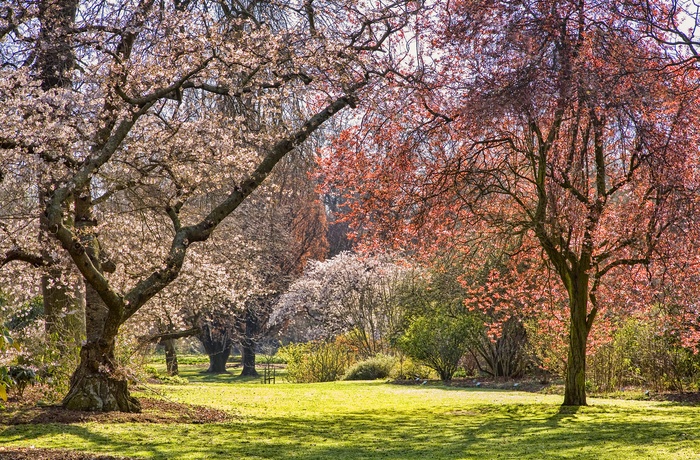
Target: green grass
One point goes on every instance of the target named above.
(367, 420)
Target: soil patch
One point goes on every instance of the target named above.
(691, 399)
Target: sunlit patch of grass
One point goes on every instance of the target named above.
(362, 420)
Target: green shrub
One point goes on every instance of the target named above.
(408, 369)
(376, 367)
(21, 377)
(54, 363)
(6, 343)
(639, 355)
(439, 341)
(315, 361)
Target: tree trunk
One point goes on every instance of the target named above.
(96, 385)
(170, 357)
(248, 358)
(575, 384)
(215, 335)
(217, 361)
(248, 342)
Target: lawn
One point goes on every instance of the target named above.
(362, 420)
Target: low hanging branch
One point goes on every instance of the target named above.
(169, 336)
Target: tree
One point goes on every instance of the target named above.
(534, 130)
(61, 288)
(350, 293)
(439, 341)
(139, 117)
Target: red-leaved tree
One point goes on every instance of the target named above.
(558, 126)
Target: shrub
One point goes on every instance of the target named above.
(640, 355)
(439, 341)
(315, 361)
(408, 369)
(54, 363)
(377, 367)
(153, 373)
(6, 343)
(506, 355)
(21, 377)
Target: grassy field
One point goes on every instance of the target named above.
(367, 420)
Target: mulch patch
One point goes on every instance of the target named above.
(152, 411)
(690, 399)
(29, 410)
(17, 453)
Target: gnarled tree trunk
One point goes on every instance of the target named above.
(215, 336)
(95, 386)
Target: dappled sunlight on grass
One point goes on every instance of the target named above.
(356, 420)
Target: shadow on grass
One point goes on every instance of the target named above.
(485, 433)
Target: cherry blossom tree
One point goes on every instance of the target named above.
(107, 99)
(350, 293)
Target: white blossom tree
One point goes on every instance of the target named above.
(350, 293)
(104, 100)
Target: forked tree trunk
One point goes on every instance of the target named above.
(94, 384)
(218, 360)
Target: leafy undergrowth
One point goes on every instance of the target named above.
(363, 420)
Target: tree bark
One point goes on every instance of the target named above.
(55, 61)
(95, 386)
(218, 360)
(215, 336)
(248, 358)
(575, 384)
(170, 356)
(248, 342)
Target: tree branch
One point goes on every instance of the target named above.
(169, 335)
(201, 231)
